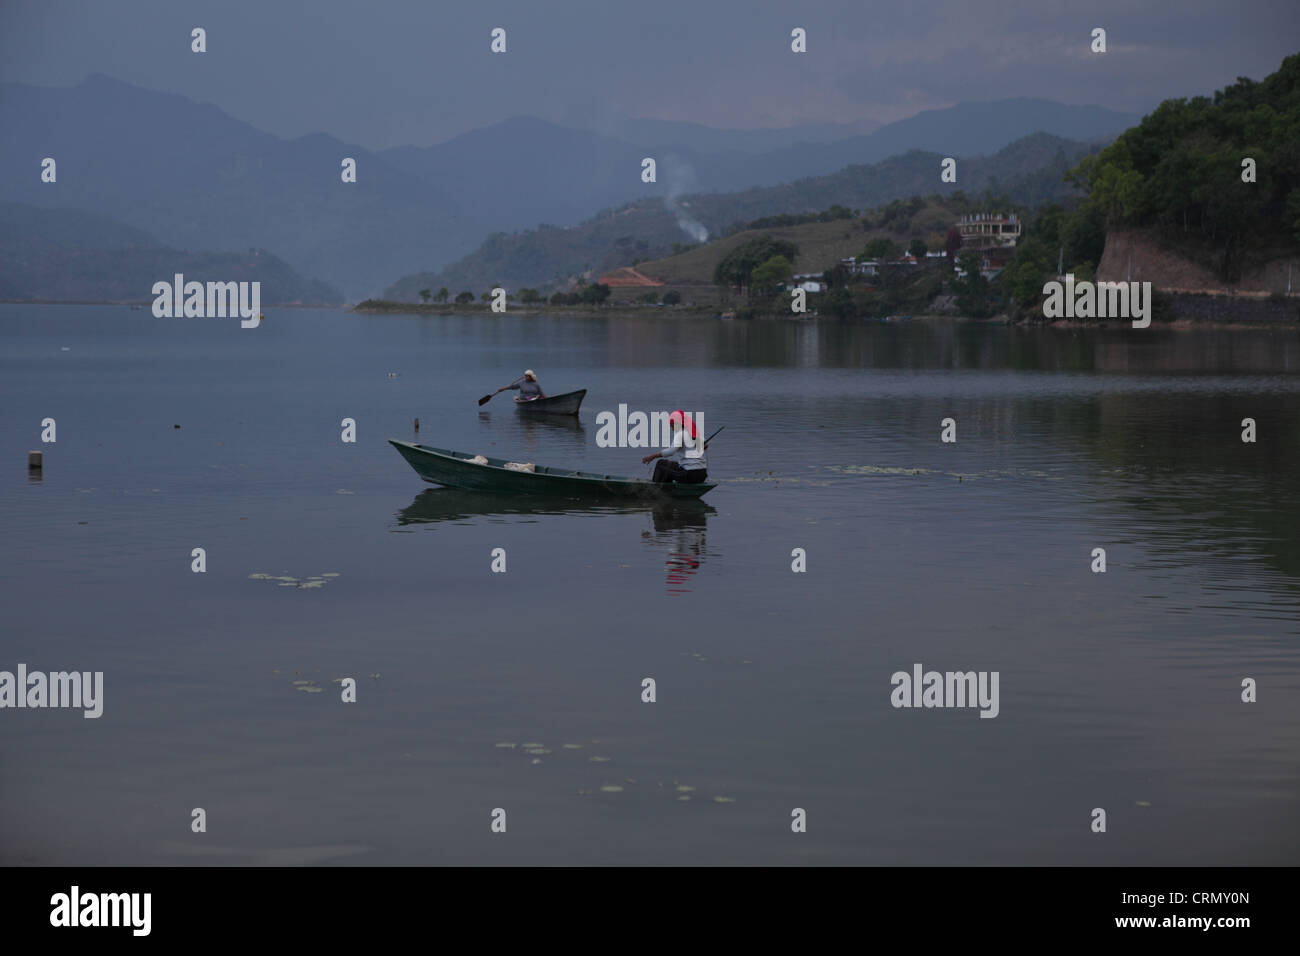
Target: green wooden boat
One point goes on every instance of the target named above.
(441, 466)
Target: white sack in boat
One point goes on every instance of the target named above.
(517, 466)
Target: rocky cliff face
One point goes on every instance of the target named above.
(1165, 269)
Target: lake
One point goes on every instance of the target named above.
(1119, 690)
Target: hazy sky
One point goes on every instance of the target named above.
(389, 72)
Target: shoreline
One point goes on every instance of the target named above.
(711, 314)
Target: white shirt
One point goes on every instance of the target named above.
(677, 452)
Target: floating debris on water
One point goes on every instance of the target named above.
(573, 746)
(684, 796)
(599, 759)
(344, 491)
(374, 677)
(313, 690)
(287, 581)
(612, 788)
(330, 574)
(528, 746)
(302, 683)
(537, 750)
(723, 800)
(537, 760)
(1144, 803)
(506, 745)
(878, 470)
(685, 788)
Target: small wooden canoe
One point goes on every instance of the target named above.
(441, 466)
(566, 404)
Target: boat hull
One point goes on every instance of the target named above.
(441, 466)
(566, 404)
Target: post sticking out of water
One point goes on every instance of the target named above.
(35, 463)
(417, 426)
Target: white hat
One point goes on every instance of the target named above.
(529, 373)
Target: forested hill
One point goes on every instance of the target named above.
(1182, 172)
(71, 255)
(1029, 171)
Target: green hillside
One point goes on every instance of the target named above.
(1180, 172)
(1029, 171)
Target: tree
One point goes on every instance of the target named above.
(737, 268)
(424, 294)
(770, 274)
(672, 297)
(840, 304)
(464, 298)
(972, 288)
(881, 248)
(650, 298)
(595, 294)
(530, 296)
(442, 294)
(1083, 235)
(917, 247)
(953, 244)
(558, 298)
(1023, 278)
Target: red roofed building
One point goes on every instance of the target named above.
(627, 278)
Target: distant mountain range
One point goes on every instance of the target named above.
(196, 178)
(523, 172)
(68, 255)
(1027, 172)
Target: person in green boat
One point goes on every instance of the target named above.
(674, 463)
(529, 388)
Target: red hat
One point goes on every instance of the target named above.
(682, 418)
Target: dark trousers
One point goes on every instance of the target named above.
(666, 471)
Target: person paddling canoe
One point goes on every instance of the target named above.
(674, 463)
(528, 389)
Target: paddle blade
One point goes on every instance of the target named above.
(485, 399)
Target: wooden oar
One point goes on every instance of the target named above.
(487, 398)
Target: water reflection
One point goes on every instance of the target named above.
(680, 526)
(433, 505)
(543, 439)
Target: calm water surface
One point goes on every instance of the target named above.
(1118, 690)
